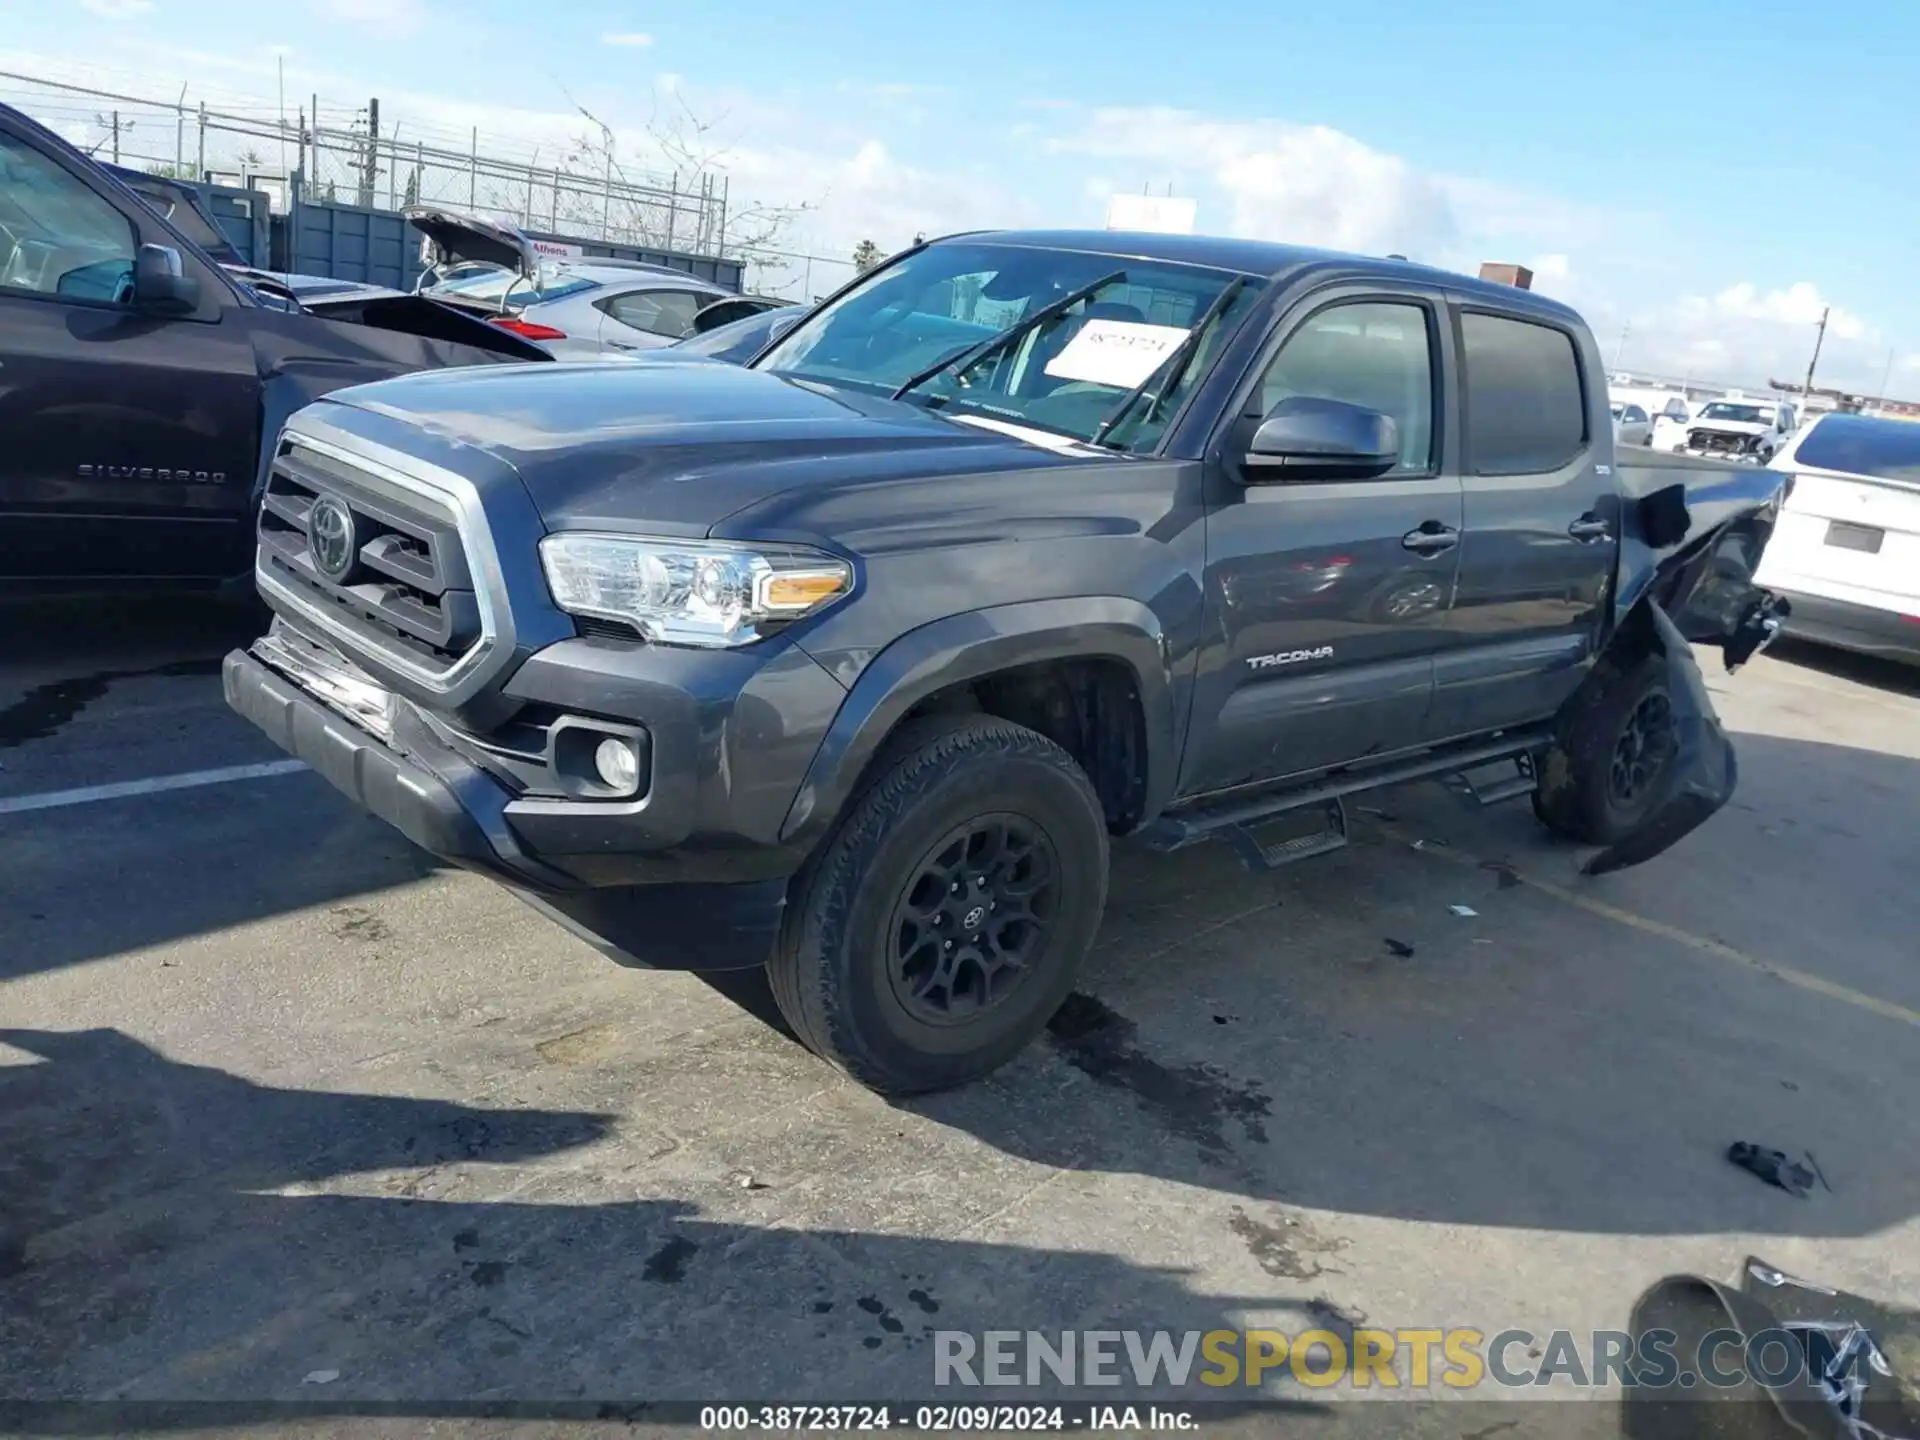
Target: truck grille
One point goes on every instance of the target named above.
(1718, 442)
(382, 567)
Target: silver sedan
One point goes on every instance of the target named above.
(586, 309)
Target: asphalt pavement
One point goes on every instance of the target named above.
(291, 1113)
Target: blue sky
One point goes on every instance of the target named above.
(1701, 181)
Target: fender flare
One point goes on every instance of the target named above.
(975, 644)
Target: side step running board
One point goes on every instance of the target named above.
(1519, 780)
(1260, 857)
(1189, 827)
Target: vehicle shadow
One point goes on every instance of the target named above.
(1533, 1064)
(173, 1232)
(188, 863)
(1874, 670)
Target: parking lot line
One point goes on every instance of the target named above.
(1700, 944)
(152, 785)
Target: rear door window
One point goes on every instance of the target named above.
(658, 312)
(1526, 410)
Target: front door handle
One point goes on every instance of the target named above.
(1589, 527)
(1431, 538)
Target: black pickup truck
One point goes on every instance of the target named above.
(141, 376)
(849, 662)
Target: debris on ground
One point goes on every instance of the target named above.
(1399, 948)
(1465, 912)
(1378, 814)
(1329, 1309)
(1508, 876)
(747, 1182)
(321, 1377)
(1774, 1167)
(1813, 1160)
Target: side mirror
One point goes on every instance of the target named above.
(1305, 437)
(159, 284)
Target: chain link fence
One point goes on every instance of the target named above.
(349, 155)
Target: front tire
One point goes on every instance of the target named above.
(942, 923)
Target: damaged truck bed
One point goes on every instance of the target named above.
(849, 662)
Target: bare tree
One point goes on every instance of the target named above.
(692, 210)
(866, 255)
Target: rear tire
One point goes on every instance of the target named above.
(1599, 782)
(942, 923)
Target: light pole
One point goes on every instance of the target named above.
(1807, 394)
(1621, 349)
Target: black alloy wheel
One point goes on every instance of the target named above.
(973, 918)
(1641, 752)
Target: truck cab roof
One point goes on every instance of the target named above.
(1271, 259)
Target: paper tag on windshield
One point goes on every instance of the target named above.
(1120, 353)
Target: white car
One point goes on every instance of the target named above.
(1740, 429)
(1845, 551)
(1631, 424)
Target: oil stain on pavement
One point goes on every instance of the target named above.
(1195, 1101)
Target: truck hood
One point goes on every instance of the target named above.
(1731, 427)
(671, 445)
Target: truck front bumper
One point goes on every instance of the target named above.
(574, 862)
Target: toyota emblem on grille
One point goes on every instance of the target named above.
(330, 537)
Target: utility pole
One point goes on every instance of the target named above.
(116, 137)
(370, 165)
(1621, 349)
(1886, 378)
(1807, 394)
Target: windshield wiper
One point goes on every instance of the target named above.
(1173, 367)
(986, 347)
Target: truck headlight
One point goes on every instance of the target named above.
(690, 592)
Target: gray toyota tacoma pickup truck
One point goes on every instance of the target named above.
(848, 662)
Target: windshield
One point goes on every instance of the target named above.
(178, 207)
(1868, 445)
(1740, 414)
(1064, 375)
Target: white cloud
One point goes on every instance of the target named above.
(1799, 304)
(855, 167)
(1306, 184)
(116, 9)
(1745, 334)
(393, 19)
(637, 38)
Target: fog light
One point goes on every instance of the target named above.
(618, 765)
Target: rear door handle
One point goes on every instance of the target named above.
(1589, 527)
(1431, 538)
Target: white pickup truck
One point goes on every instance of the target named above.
(1740, 429)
